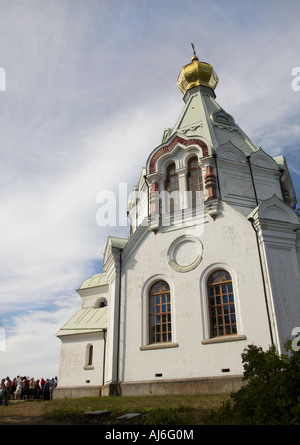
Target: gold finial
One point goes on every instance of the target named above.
(197, 73)
(194, 52)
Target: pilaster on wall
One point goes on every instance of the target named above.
(210, 182)
(184, 202)
(298, 246)
(113, 270)
(154, 206)
(276, 225)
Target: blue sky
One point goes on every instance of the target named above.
(90, 87)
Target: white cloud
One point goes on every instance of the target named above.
(51, 231)
(31, 346)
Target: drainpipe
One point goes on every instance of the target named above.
(251, 173)
(281, 174)
(263, 280)
(104, 355)
(119, 316)
(216, 166)
(284, 191)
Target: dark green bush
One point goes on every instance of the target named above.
(271, 394)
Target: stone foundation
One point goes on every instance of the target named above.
(211, 385)
(73, 392)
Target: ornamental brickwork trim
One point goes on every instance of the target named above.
(168, 148)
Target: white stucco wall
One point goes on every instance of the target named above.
(72, 367)
(277, 225)
(228, 242)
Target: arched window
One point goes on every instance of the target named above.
(89, 355)
(103, 302)
(172, 185)
(160, 329)
(194, 180)
(221, 304)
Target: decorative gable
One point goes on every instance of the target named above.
(261, 159)
(221, 117)
(277, 210)
(231, 152)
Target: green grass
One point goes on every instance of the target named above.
(156, 410)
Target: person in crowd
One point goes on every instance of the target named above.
(47, 389)
(31, 388)
(8, 385)
(25, 388)
(19, 388)
(1, 392)
(43, 381)
(37, 389)
(13, 388)
(4, 393)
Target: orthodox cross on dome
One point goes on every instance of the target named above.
(194, 51)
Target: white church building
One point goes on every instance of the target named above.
(211, 264)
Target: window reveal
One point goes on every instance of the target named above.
(172, 185)
(194, 180)
(90, 355)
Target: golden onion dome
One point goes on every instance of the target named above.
(197, 73)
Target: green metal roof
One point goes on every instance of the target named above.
(99, 279)
(118, 243)
(85, 321)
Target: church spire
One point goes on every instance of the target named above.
(202, 115)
